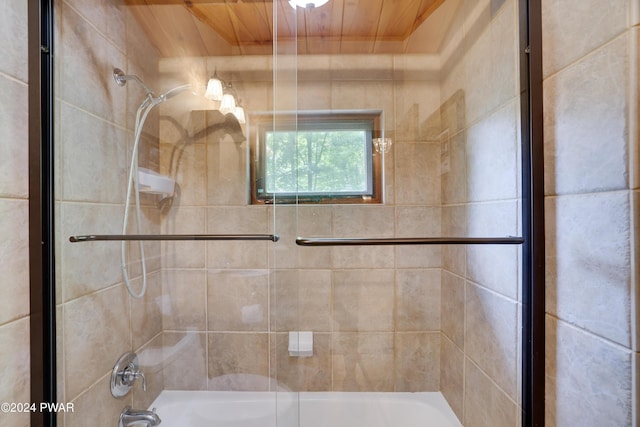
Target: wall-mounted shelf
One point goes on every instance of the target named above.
(152, 182)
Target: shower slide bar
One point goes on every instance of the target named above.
(373, 241)
(138, 237)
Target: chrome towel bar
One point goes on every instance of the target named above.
(208, 237)
(373, 241)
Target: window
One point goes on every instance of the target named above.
(315, 157)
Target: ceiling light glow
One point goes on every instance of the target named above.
(307, 3)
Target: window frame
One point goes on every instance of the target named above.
(261, 123)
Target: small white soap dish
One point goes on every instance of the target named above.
(154, 183)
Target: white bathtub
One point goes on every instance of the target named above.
(283, 409)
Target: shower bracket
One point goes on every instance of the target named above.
(119, 77)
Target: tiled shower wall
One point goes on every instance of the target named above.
(97, 319)
(14, 206)
(590, 65)
(383, 321)
(480, 195)
(375, 311)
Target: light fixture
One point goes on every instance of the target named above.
(227, 104)
(214, 89)
(240, 115)
(218, 90)
(307, 3)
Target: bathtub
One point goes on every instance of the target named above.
(313, 409)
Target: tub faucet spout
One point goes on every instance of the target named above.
(132, 417)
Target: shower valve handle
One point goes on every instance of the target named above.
(131, 373)
(124, 374)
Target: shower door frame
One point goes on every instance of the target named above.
(42, 303)
(41, 215)
(533, 225)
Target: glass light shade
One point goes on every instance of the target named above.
(228, 104)
(239, 113)
(307, 3)
(214, 90)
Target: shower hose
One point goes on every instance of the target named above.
(132, 187)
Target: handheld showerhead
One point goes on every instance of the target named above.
(154, 101)
(173, 92)
(121, 79)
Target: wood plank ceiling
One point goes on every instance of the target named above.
(214, 27)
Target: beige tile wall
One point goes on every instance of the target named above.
(14, 227)
(591, 145)
(97, 319)
(385, 318)
(375, 311)
(480, 162)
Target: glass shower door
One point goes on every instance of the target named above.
(421, 292)
(310, 254)
(197, 315)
